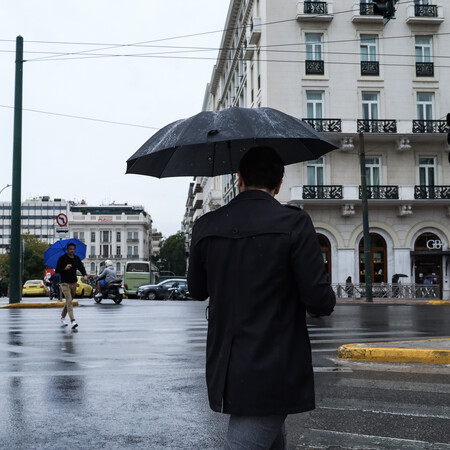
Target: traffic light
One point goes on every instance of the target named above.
(385, 8)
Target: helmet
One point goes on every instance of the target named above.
(108, 263)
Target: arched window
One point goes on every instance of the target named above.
(325, 246)
(92, 267)
(377, 258)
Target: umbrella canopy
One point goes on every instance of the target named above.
(213, 142)
(400, 275)
(53, 253)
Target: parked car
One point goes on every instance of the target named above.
(34, 287)
(162, 290)
(84, 289)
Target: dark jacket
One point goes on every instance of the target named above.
(261, 265)
(69, 276)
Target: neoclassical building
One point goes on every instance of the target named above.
(340, 68)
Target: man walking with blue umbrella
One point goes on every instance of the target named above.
(67, 267)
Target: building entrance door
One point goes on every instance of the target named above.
(377, 258)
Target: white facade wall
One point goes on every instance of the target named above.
(274, 54)
(38, 219)
(111, 232)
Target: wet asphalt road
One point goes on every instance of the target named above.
(132, 376)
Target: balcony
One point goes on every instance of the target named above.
(430, 126)
(312, 10)
(133, 240)
(376, 126)
(313, 67)
(198, 200)
(325, 125)
(365, 13)
(424, 14)
(433, 192)
(370, 68)
(117, 256)
(132, 257)
(254, 34)
(249, 51)
(322, 192)
(380, 192)
(424, 69)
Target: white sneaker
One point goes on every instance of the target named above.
(63, 322)
(98, 295)
(74, 324)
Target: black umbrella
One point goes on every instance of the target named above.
(213, 142)
(400, 275)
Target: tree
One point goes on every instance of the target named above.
(33, 260)
(173, 254)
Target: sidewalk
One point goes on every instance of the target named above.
(392, 301)
(33, 302)
(429, 351)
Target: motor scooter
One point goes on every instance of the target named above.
(113, 291)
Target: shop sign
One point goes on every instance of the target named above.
(434, 244)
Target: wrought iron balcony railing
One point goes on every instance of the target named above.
(370, 68)
(424, 69)
(366, 9)
(376, 126)
(436, 192)
(425, 10)
(325, 125)
(380, 192)
(315, 8)
(314, 67)
(322, 192)
(430, 126)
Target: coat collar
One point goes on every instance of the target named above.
(253, 194)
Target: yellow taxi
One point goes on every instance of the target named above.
(34, 287)
(84, 289)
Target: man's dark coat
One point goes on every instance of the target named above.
(261, 265)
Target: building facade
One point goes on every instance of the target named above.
(340, 68)
(38, 219)
(117, 232)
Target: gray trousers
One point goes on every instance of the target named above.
(256, 433)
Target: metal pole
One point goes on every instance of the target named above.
(15, 266)
(365, 212)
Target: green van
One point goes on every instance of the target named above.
(137, 273)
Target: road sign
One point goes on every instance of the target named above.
(62, 230)
(61, 220)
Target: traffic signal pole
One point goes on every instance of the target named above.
(365, 213)
(15, 266)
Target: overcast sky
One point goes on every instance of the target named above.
(79, 159)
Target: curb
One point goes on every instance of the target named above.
(439, 302)
(372, 352)
(38, 305)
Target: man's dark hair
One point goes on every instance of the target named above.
(71, 244)
(261, 167)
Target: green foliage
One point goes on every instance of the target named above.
(173, 254)
(33, 261)
(4, 273)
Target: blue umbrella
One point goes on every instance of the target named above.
(53, 253)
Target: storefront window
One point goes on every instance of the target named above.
(377, 258)
(326, 253)
(428, 259)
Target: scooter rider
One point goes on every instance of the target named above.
(108, 274)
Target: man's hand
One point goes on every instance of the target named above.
(85, 278)
(68, 267)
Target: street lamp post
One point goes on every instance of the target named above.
(15, 265)
(7, 186)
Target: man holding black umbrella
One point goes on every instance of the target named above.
(261, 265)
(67, 267)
